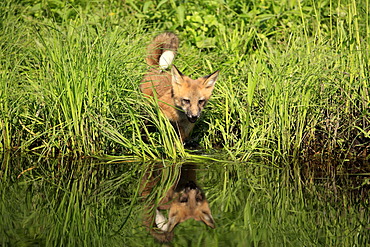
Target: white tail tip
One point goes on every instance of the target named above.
(166, 59)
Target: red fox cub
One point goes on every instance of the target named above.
(184, 200)
(180, 98)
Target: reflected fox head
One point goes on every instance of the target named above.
(188, 203)
(192, 95)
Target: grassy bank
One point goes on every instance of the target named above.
(294, 77)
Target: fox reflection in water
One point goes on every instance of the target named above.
(183, 200)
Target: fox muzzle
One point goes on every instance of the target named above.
(193, 117)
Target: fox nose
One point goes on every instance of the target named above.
(191, 185)
(192, 119)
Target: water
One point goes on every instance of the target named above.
(93, 203)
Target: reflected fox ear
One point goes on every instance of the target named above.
(176, 75)
(208, 220)
(172, 222)
(211, 79)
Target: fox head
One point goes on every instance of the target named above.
(189, 203)
(192, 95)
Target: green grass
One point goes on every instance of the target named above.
(294, 85)
(294, 77)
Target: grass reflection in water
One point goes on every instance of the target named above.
(92, 203)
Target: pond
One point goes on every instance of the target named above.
(61, 202)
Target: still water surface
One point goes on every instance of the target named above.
(92, 203)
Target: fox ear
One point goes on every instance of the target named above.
(211, 79)
(176, 75)
(208, 219)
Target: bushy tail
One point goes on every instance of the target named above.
(163, 43)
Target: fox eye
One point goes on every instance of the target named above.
(185, 101)
(199, 198)
(201, 101)
(183, 199)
